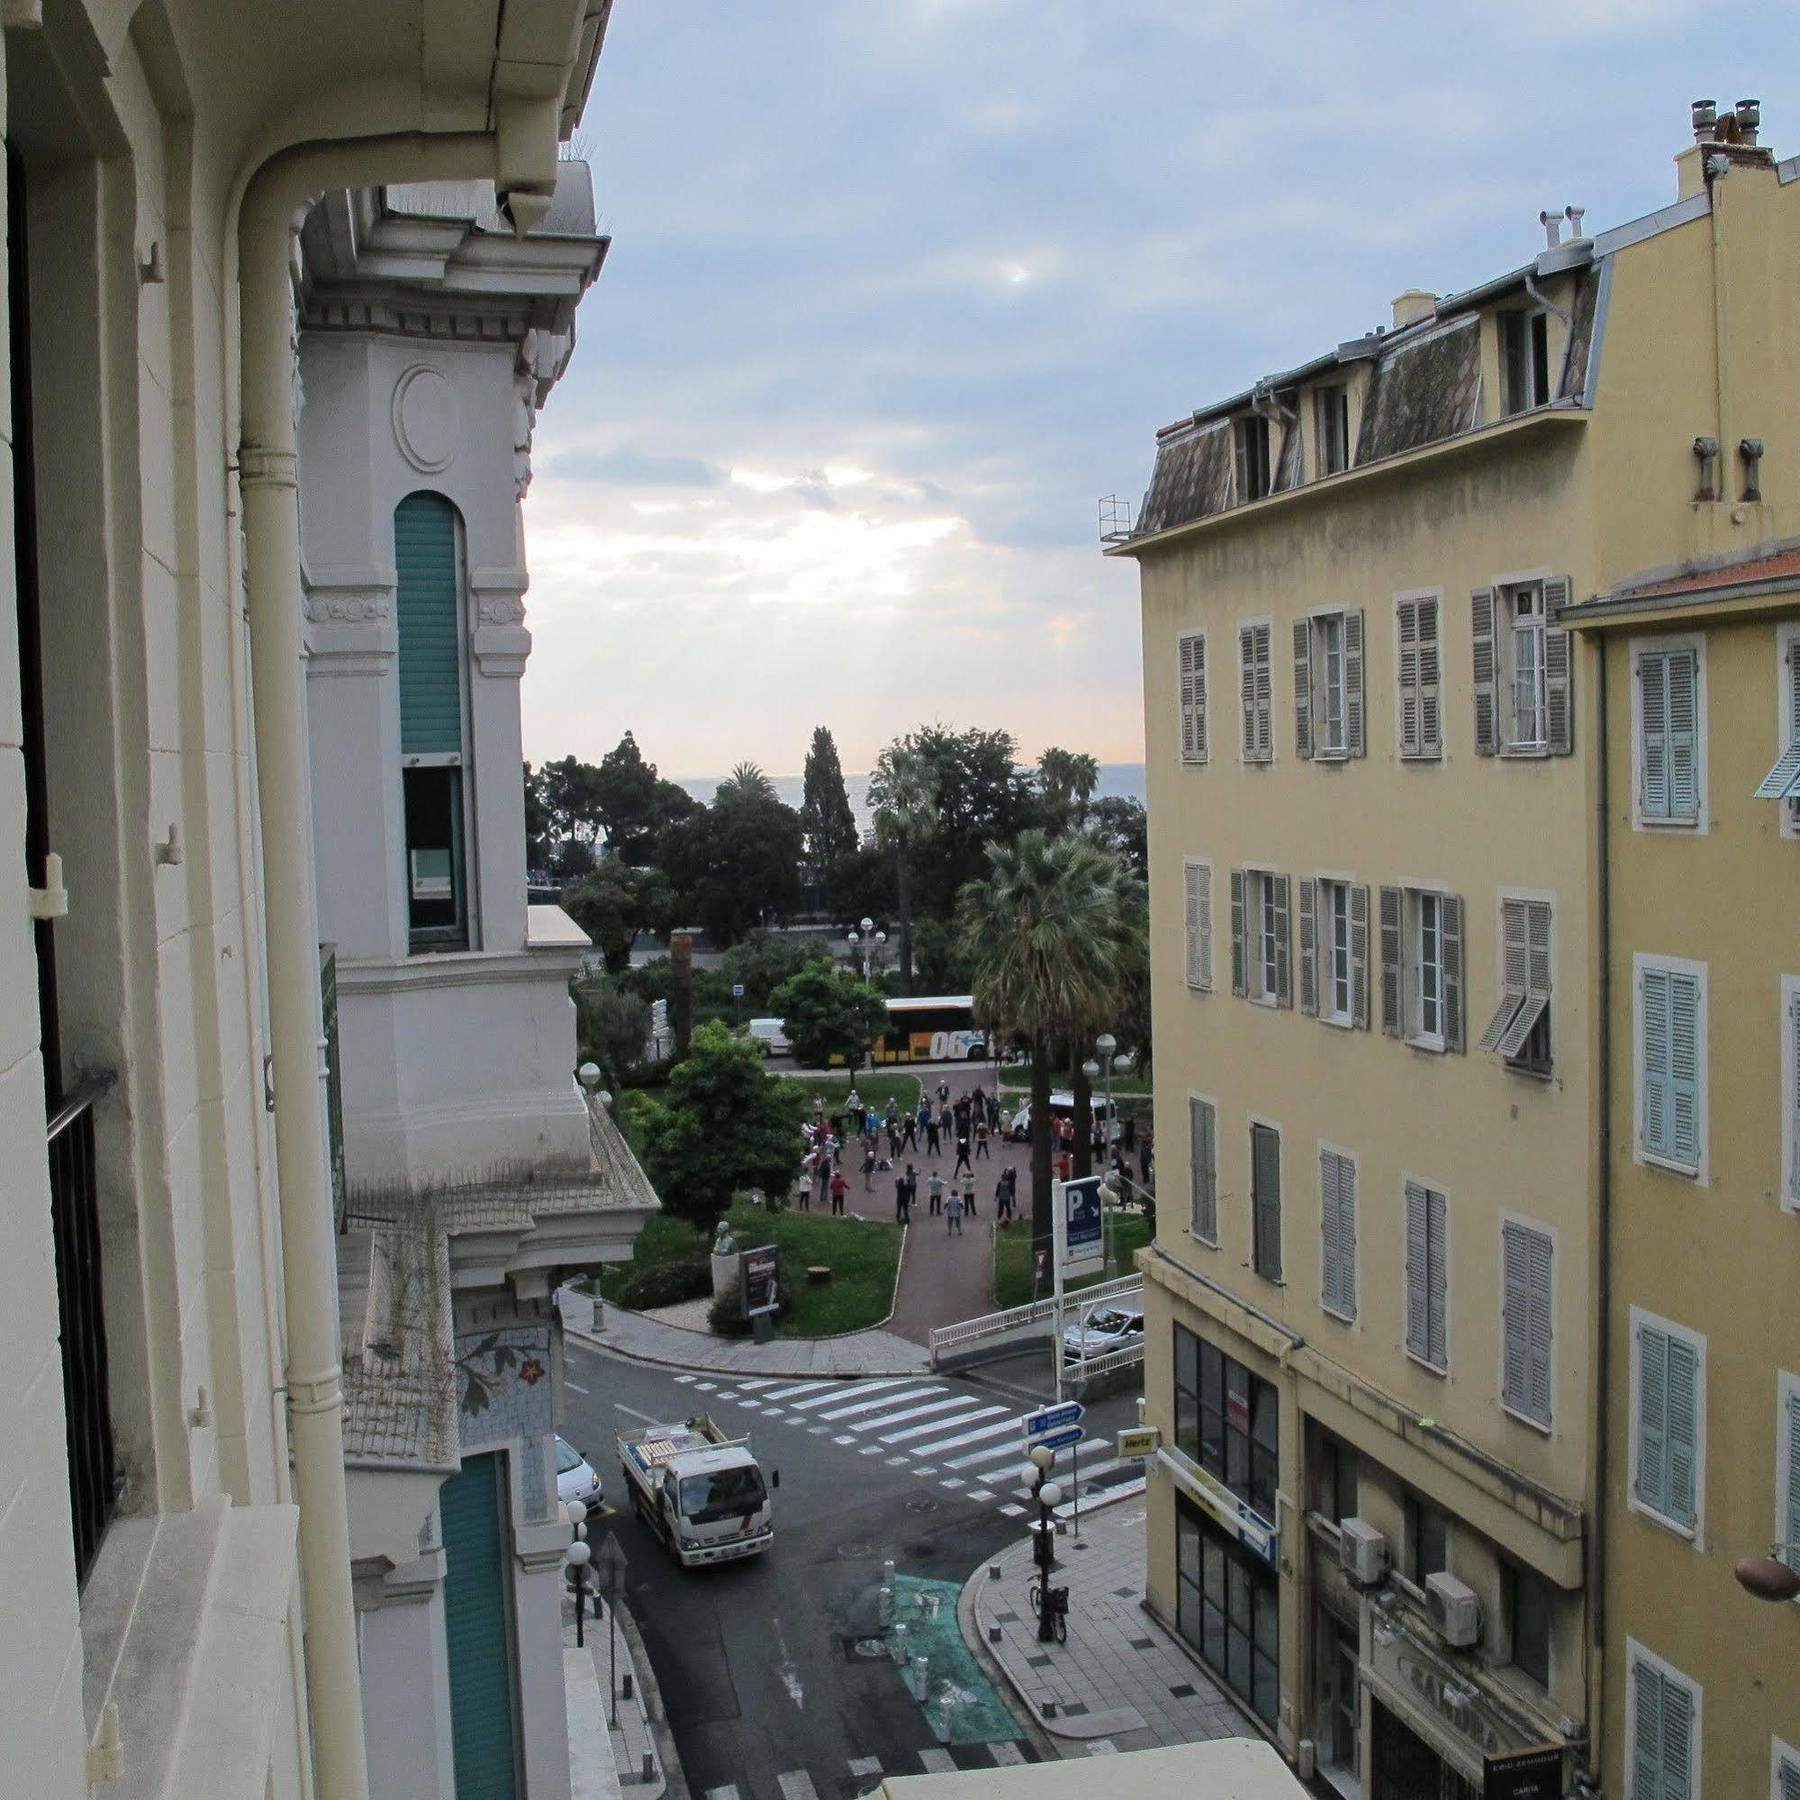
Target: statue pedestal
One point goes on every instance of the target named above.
(724, 1272)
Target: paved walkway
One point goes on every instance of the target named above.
(648, 1340)
(1121, 1682)
(608, 1762)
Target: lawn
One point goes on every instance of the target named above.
(1012, 1258)
(875, 1089)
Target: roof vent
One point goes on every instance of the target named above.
(1412, 306)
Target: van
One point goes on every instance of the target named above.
(769, 1033)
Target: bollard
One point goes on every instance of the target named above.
(649, 1766)
(993, 1571)
(996, 1633)
(625, 1685)
(923, 1691)
(900, 1645)
(887, 1606)
(922, 1601)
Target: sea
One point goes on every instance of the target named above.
(1123, 781)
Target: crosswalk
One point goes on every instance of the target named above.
(966, 1442)
(863, 1774)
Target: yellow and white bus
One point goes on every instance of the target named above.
(936, 1028)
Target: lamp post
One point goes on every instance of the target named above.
(1107, 1046)
(1771, 1577)
(1048, 1494)
(578, 1555)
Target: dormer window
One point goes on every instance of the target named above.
(1331, 415)
(1254, 469)
(1524, 360)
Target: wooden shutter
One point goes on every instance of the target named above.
(1199, 957)
(1203, 1170)
(1792, 1422)
(1303, 708)
(1684, 1069)
(1450, 927)
(1418, 1264)
(1533, 925)
(1431, 742)
(1359, 956)
(1265, 694)
(1353, 681)
(1683, 1426)
(1437, 1280)
(1653, 739)
(1683, 669)
(1558, 696)
(1239, 983)
(1284, 989)
(1247, 688)
(1515, 971)
(1653, 1061)
(1193, 697)
(1337, 1222)
(1783, 781)
(1793, 1103)
(1392, 1021)
(1481, 611)
(1526, 1316)
(426, 610)
(477, 1628)
(1265, 1185)
(1309, 949)
(1653, 1418)
(1407, 677)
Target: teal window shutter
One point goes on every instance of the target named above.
(1654, 1072)
(1653, 752)
(427, 608)
(1684, 1069)
(1653, 1413)
(1646, 1734)
(477, 1632)
(1684, 740)
(1793, 1469)
(1683, 1435)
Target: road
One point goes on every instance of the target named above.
(758, 1662)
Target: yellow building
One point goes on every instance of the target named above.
(1373, 1337)
(1699, 1215)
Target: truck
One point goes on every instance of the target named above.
(699, 1490)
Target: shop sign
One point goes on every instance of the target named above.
(1532, 1774)
(757, 1271)
(1138, 1442)
(1220, 1504)
(1442, 1703)
(1076, 1213)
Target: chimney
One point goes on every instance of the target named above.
(1722, 141)
(1412, 306)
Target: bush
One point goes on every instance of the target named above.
(726, 1319)
(668, 1283)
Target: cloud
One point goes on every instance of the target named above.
(631, 468)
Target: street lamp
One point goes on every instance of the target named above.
(578, 1556)
(1107, 1045)
(863, 944)
(1771, 1577)
(1050, 1601)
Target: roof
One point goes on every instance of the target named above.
(1767, 569)
(1779, 566)
(1222, 1769)
(918, 1002)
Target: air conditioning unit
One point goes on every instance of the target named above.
(1453, 1609)
(1362, 1552)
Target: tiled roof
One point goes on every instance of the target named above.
(1777, 566)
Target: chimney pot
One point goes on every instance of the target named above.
(1574, 214)
(1552, 223)
(1415, 304)
(1749, 120)
(1706, 116)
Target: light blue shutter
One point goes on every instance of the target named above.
(1793, 1468)
(1203, 1171)
(476, 1631)
(426, 609)
(1653, 750)
(1684, 1069)
(1653, 1418)
(1646, 1731)
(1683, 1435)
(1793, 1099)
(1677, 1748)
(1653, 1076)
(1684, 722)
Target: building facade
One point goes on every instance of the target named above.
(174, 1547)
(1701, 675)
(1374, 1348)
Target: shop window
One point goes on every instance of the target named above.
(1427, 1540)
(1528, 1608)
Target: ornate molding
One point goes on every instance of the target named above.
(500, 609)
(427, 418)
(347, 607)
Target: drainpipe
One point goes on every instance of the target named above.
(1602, 1226)
(274, 201)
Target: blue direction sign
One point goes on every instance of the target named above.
(1053, 1418)
(1059, 1440)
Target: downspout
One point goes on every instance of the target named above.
(273, 203)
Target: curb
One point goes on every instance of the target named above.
(976, 1640)
(675, 1782)
(923, 1367)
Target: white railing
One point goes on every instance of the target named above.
(1014, 1318)
(1104, 1364)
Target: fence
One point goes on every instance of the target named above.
(1016, 1318)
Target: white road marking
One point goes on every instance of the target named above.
(973, 1437)
(574, 1387)
(819, 1431)
(869, 1450)
(804, 1387)
(953, 1481)
(992, 1454)
(862, 1767)
(685, 1379)
(704, 1387)
(984, 1495)
(838, 1390)
(1006, 1755)
(648, 1418)
(1013, 1512)
(762, 1381)
(937, 1762)
(916, 1412)
(790, 1674)
(863, 1406)
(1123, 1487)
(919, 1431)
(796, 1784)
(840, 1440)
(722, 1793)
(1103, 1747)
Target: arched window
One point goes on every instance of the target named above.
(429, 612)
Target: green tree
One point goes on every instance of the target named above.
(1049, 931)
(723, 1128)
(746, 782)
(735, 864)
(569, 793)
(861, 885)
(905, 797)
(982, 797)
(765, 959)
(829, 1012)
(616, 903)
(940, 958)
(612, 1029)
(1066, 781)
(625, 794)
(1120, 825)
(537, 822)
(826, 821)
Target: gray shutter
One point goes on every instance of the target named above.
(1654, 986)
(1329, 1258)
(1193, 698)
(1247, 688)
(1431, 738)
(1437, 1280)
(1536, 917)
(1418, 1259)
(1353, 681)
(1265, 694)
(1647, 1759)
(1684, 1068)
(1347, 1234)
(1450, 913)
(1392, 1021)
(1192, 876)
(1284, 986)
(1203, 1170)
(1653, 1418)
(1337, 1215)
(1406, 683)
(1309, 954)
(1481, 613)
(1793, 1468)
(1265, 1181)
(1239, 985)
(1677, 1733)
(1558, 694)
(1793, 1106)
(1526, 1320)
(1303, 720)
(1515, 974)
(1684, 738)
(1684, 1429)
(1359, 959)
(1541, 1327)
(1653, 733)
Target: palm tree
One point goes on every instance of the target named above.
(746, 782)
(903, 792)
(1050, 931)
(1067, 779)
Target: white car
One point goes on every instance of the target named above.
(771, 1035)
(1105, 1329)
(1062, 1106)
(576, 1477)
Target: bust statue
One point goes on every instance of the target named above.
(724, 1244)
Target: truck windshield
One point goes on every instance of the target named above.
(722, 1495)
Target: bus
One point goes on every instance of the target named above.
(938, 1028)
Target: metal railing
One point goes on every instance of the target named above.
(1085, 1368)
(334, 1080)
(1014, 1318)
(95, 1482)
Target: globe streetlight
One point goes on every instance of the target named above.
(1107, 1047)
(578, 1556)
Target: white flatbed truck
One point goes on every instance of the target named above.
(700, 1491)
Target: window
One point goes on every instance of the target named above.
(1422, 967)
(1520, 1027)
(1662, 1729)
(1787, 1460)
(1203, 1170)
(1785, 1772)
(428, 612)
(1226, 1419)
(1668, 1420)
(1255, 692)
(1669, 740)
(1528, 1611)
(1427, 1540)
(1334, 951)
(1525, 1321)
(1337, 1226)
(1265, 1201)
(1331, 416)
(1328, 686)
(1522, 692)
(1193, 696)
(1671, 1063)
(1337, 1480)
(1253, 466)
(1427, 1276)
(1199, 926)
(1259, 937)
(1524, 360)
(1782, 782)
(1420, 708)
(1790, 1092)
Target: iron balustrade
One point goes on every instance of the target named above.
(95, 1482)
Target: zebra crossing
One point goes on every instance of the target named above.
(969, 1444)
(863, 1773)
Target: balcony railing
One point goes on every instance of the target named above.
(95, 1482)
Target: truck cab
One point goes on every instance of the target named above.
(701, 1492)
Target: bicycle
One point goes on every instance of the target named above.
(1057, 1600)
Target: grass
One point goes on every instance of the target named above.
(1012, 1258)
(875, 1090)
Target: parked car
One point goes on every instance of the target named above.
(576, 1477)
(1105, 1329)
(1062, 1106)
(771, 1035)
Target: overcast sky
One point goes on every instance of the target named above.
(898, 288)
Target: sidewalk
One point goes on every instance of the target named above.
(1121, 1682)
(637, 1760)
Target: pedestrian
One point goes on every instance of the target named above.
(854, 1107)
(962, 1115)
(963, 1164)
(953, 1213)
(934, 1144)
(893, 1138)
(909, 1133)
(934, 1190)
(993, 1112)
(923, 1116)
(1146, 1151)
(969, 1198)
(1065, 1164)
(981, 1136)
(943, 1093)
(912, 1188)
(1000, 1199)
(839, 1187)
(1012, 1193)
(868, 1165)
(902, 1200)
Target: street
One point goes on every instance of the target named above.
(759, 1662)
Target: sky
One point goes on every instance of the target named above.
(899, 288)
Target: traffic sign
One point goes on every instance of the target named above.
(737, 990)
(1053, 1418)
(1058, 1440)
